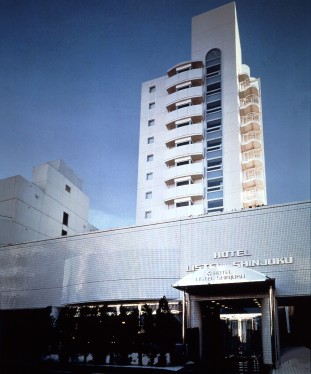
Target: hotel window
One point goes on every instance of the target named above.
(214, 106)
(214, 204)
(183, 203)
(183, 86)
(214, 145)
(181, 69)
(151, 122)
(149, 176)
(183, 162)
(214, 164)
(213, 88)
(213, 70)
(214, 185)
(64, 232)
(180, 106)
(67, 188)
(151, 105)
(150, 140)
(183, 183)
(182, 124)
(183, 143)
(149, 158)
(214, 125)
(152, 89)
(148, 214)
(65, 218)
(148, 195)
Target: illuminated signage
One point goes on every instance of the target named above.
(223, 274)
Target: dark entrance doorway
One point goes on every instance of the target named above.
(231, 336)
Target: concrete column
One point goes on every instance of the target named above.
(266, 331)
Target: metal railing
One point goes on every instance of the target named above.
(251, 99)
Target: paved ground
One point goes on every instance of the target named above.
(296, 360)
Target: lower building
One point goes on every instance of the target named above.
(241, 277)
(52, 204)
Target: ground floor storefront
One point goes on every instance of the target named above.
(236, 287)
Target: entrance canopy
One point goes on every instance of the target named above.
(220, 275)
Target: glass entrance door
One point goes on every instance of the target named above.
(231, 336)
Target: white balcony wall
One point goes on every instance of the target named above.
(184, 151)
(186, 93)
(193, 110)
(185, 211)
(190, 190)
(195, 129)
(196, 169)
(184, 76)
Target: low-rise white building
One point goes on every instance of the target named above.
(51, 205)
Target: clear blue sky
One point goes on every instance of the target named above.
(71, 74)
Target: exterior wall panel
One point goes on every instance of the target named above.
(142, 262)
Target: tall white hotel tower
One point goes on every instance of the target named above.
(201, 138)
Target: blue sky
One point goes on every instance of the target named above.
(71, 74)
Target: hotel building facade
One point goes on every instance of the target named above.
(201, 132)
(246, 268)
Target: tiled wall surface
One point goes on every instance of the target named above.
(142, 262)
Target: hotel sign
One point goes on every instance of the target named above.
(238, 262)
(221, 275)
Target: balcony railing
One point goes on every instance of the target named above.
(253, 177)
(251, 155)
(250, 122)
(251, 99)
(250, 117)
(253, 197)
(249, 83)
(252, 174)
(251, 136)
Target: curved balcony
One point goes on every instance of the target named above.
(194, 112)
(185, 211)
(253, 197)
(184, 76)
(253, 178)
(249, 87)
(195, 131)
(250, 122)
(250, 104)
(195, 151)
(195, 171)
(252, 159)
(193, 191)
(185, 65)
(251, 140)
(244, 73)
(187, 93)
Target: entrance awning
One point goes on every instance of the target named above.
(225, 275)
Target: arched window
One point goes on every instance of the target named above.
(212, 63)
(213, 53)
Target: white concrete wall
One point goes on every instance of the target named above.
(34, 210)
(215, 29)
(142, 262)
(218, 29)
(157, 185)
